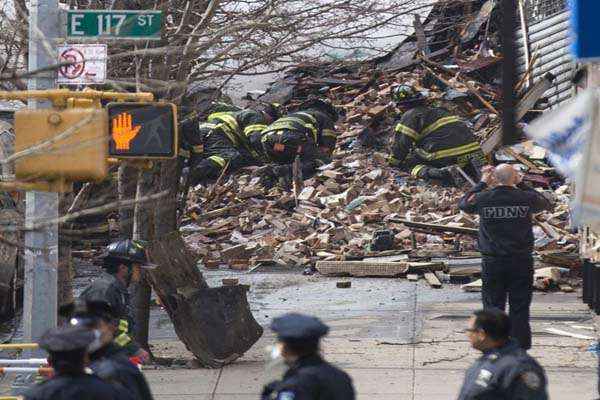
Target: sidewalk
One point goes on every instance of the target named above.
(397, 339)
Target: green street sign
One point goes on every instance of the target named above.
(114, 24)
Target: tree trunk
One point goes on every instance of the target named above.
(126, 190)
(143, 229)
(215, 324)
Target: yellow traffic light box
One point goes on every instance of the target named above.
(69, 144)
(142, 130)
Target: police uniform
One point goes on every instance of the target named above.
(431, 138)
(75, 384)
(110, 362)
(309, 134)
(311, 377)
(506, 244)
(112, 365)
(505, 373)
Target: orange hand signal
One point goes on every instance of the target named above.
(123, 131)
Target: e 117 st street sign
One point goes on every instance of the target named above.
(114, 24)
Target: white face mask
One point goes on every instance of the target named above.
(275, 366)
(97, 343)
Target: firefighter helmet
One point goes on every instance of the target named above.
(323, 105)
(128, 251)
(405, 95)
(272, 110)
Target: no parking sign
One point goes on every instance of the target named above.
(86, 64)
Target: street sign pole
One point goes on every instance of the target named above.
(41, 245)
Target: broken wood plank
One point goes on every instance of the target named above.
(417, 267)
(527, 102)
(432, 280)
(218, 212)
(566, 288)
(474, 286)
(436, 227)
(412, 277)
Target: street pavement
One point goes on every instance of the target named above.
(398, 340)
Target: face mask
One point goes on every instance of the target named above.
(275, 365)
(97, 343)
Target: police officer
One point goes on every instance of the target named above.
(506, 242)
(107, 360)
(122, 263)
(505, 370)
(429, 140)
(308, 133)
(67, 348)
(309, 377)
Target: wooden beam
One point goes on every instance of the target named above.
(433, 280)
(436, 227)
(527, 102)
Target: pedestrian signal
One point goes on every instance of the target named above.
(142, 130)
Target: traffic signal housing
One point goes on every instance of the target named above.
(142, 130)
(67, 145)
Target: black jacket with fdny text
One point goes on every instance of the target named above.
(505, 226)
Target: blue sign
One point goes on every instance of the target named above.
(586, 29)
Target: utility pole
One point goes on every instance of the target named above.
(41, 245)
(509, 71)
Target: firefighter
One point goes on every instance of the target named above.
(196, 102)
(429, 140)
(122, 263)
(107, 360)
(309, 133)
(229, 138)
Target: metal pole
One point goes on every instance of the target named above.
(41, 253)
(509, 71)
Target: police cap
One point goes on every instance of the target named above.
(294, 327)
(66, 339)
(129, 251)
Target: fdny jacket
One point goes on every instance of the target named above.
(239, 127)
(432, 133)
(108, 288)
(505, 225)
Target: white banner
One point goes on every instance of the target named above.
(564, 132)
(586, 208)
(88, 64)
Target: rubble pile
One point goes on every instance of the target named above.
(336, 213)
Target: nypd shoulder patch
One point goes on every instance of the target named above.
(286, 395)
(531, 380)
